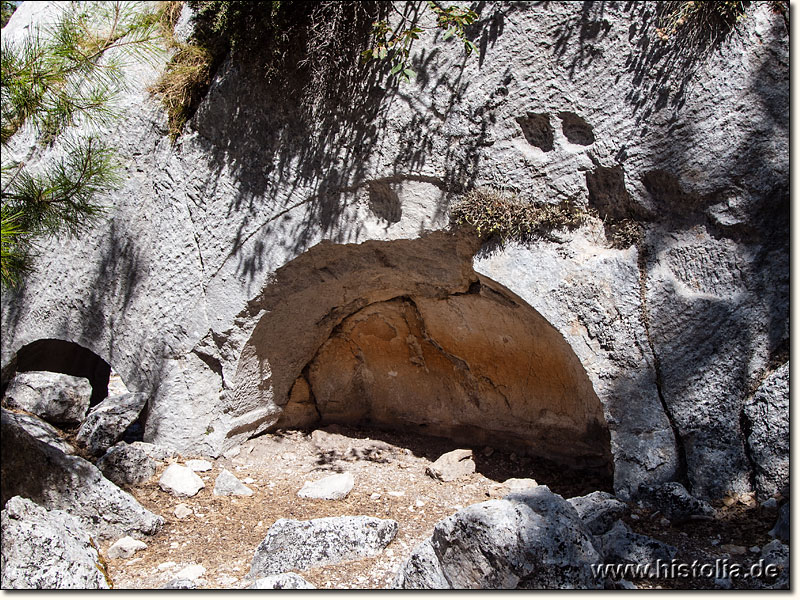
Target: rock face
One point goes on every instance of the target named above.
(44, 549)
(56, 398)
(636, 337)
(767, 414)
(298, 545)
(44, 474)
(528, 540)
(416, 363)
(106, 422)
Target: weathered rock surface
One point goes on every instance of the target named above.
(44, 549)
(32, 469)
(274, 227)
(519, 484)
(452, 465)
(127, 464)
(598, 510)
(776, 553)
(180, 584)
(529, 540)
(675, 502)
(125, 547)
(180, 481)
(701, 281)
(623, 546)
(199, 466)
(782, 529)
(156, 452)
(227, 484)
(592, 296)
(298, 545)
(475, 367)
(106, 422)
(42, 431)
(57, 398)
(767, 417)
(284, 581)
(332, 487)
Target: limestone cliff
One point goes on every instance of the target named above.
(263, 256)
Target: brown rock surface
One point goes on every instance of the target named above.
(477, 367)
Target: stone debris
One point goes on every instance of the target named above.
(452, 465)
(156, 452)
(516, 484)
(106, 422)
(300, 545)
(126, 464)
(180, 584)
(284, 581)
(675, 502)
(599, 510)
(228, 485)
(50, 550)
(192, 572)
(182, 511)
(42, 431)
(623, 546)
(734, 549)
(232, 453)
(199, 466)
(57, 398)
(532, 540)
(770, 503)
(180, 481)
(781, 530)
(70, 483)
(777, 553)
(332, 487)
(125, 547)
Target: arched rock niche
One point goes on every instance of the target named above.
(60, 356)
(405, 335)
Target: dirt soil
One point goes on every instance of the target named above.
(223, 532)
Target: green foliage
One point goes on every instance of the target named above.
(396, 44)
(501, 216)
(290, 40)
(65, 75)
(699, 20)
(7, 9)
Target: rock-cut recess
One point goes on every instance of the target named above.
(377, 344)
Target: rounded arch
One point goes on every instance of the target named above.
(61, 356)
(405, 334)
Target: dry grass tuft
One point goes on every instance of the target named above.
(503, 216)
(183, 84)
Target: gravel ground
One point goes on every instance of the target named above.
(222, 533)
